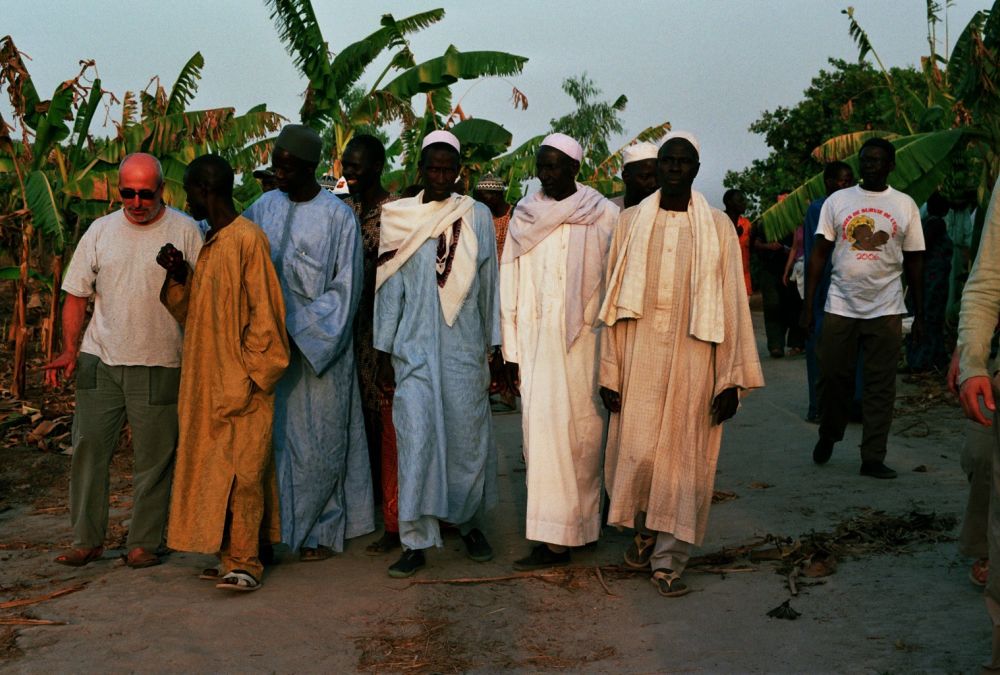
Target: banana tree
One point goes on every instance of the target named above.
(958, 121)
(49, 153)
(327, 100)
(158, 122)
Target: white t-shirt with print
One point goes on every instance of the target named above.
(870, 231)
(115, 262)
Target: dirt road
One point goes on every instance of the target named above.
(909, 612)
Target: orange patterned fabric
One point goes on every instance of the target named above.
(390, 471)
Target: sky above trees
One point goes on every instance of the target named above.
(711, 67)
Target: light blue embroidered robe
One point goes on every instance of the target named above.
(321, 455)
(441, 408)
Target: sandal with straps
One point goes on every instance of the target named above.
(639, 552)
(669, 584)
(238, 580)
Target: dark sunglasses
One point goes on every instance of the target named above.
(129, 193)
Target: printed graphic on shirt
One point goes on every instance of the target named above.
(861, 231)
(861, 228)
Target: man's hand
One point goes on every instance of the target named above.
(64, 363)
(612, 400)
(973, 389)
(952, 377)
(725, 404)
(172, 260)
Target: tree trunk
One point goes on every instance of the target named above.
(52, 323)
(20, 328)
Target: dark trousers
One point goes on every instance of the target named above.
(812, 371)
(782, 307)
(878, 340)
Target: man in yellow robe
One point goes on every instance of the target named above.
(678, 350)
(235, 350)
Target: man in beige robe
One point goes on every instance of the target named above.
(550, 288)
(235, 350)
(678, 349)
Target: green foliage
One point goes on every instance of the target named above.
(921, 161)
(843, 146)
(848, 98)
(332, 101)
(186, 85)
(592, 122)
(451, 67)
(45, 209)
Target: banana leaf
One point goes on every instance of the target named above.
(921, 160)
(89, 210)
(44, 210)
(347, 68)
(81, 126)
(845, 145)
(28, 105)
(14, 273)
(452, 66)
(186, 85)
(52, 127)
(482, 131)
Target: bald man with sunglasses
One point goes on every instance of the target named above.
(127, 366)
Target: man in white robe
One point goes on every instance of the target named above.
(436, 318)
(550, 282)
(678, 350)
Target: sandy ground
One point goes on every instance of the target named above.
(905, 613)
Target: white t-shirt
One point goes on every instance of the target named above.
(870, 231)
(115, 262)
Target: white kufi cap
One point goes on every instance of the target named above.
(441, 136)
(638, 152)
(564, 144)
(686, 135)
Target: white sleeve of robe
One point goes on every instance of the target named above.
(509, 273)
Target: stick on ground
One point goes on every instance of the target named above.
(42, 598)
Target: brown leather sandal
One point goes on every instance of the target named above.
(138, 558)
(78, 557)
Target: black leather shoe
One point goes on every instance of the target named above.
(877, 470)
(477, 547)
(542, 556)
(822, 451)
(408, 564)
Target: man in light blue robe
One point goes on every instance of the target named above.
(436, 318)
(321, 454)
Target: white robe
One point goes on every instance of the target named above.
(563, 419)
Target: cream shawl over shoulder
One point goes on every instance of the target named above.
(627, 282)
(592, 218)
(408, 223)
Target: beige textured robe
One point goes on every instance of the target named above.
(235, 350)
(663, 446)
